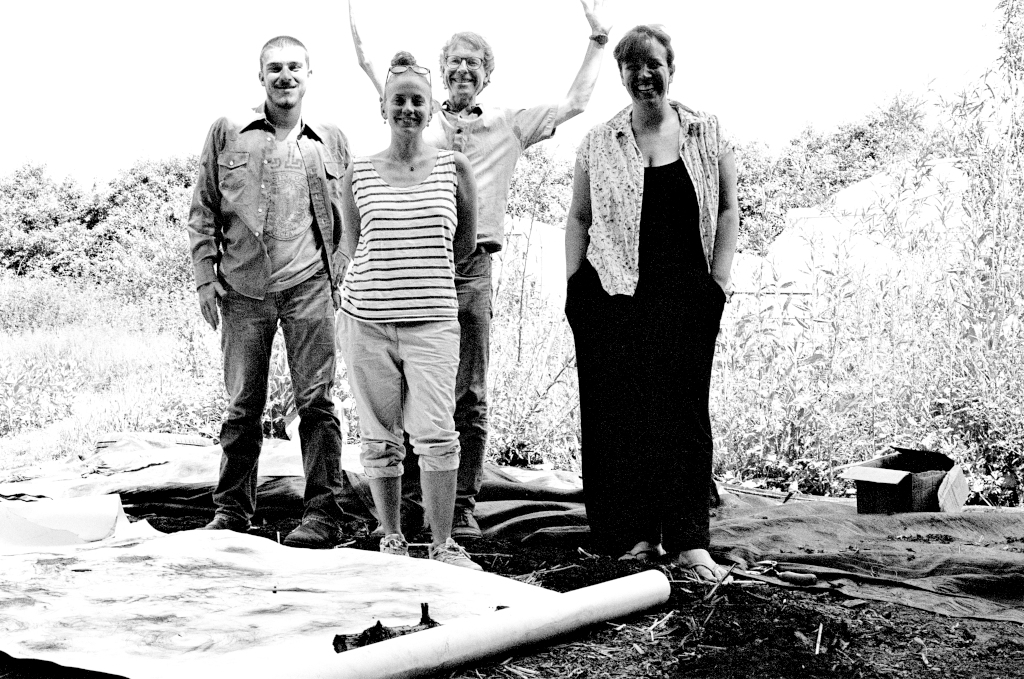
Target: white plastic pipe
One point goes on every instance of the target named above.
(465, 641)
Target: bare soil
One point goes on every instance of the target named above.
(742, 630)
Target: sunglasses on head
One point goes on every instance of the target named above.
(418, 70)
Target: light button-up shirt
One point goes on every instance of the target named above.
(610, 155)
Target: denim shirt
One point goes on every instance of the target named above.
(612, 159)
(231, 199)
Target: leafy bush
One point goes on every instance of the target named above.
(816, 165)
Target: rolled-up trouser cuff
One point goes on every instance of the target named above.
(442, 461)
(381, 460)
(386, 472)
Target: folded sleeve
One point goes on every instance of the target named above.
(532, 125)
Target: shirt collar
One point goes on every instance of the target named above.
(258, 117)
(475, 108)
(621, 122)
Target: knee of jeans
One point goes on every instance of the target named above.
(381, 460)
(471, 413)
(439, 460)
(319, 410)
(241, 424)
(245, 402)
(316, 392)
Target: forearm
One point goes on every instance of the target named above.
(351, 226)
(202, 226)
(465, 239)
(464, 242)
(203, 243)
(361, 57)
(577, 225)
(582, 88)
(577, 239)
(725, 245)
(728, 220)
(350, 237)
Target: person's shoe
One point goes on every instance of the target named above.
(315, 532)
(394, 543)
(225, 522)
(464, 525)
(453, 555)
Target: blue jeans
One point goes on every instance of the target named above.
(473, 285)
(306, 315)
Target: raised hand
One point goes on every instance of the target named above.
(592, 9)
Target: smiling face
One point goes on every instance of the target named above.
(462, 82)
(646, 74)
(407, 101)
(283, 74)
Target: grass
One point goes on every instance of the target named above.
(86, 362)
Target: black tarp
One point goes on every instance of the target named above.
(963, 564)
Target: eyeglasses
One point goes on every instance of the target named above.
(471, 62)
(418, 70)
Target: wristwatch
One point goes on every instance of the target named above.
(600, 38)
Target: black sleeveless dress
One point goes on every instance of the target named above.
(644, 364)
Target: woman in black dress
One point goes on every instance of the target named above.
(649, 243)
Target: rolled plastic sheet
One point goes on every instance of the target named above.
(454, 644)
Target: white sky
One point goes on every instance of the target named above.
(96, 85)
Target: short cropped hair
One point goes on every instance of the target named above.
(635, 44)
(279, 42)
(474, 40)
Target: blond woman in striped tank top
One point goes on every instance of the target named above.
(410, 215)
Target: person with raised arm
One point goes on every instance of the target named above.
(492, 138)
(410, 219)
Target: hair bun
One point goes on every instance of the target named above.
(403, 59)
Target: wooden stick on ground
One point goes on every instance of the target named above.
(378, 632)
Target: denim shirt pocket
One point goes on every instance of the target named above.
(334, 169)
(232, 169)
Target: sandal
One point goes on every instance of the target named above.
(707, 572)
(643, 551)
(706, 575)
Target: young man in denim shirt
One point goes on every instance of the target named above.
(264, 227)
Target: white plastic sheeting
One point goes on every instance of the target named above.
(141, 603)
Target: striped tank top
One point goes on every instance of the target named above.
(404, 265)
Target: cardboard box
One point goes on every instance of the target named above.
(909, 481)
